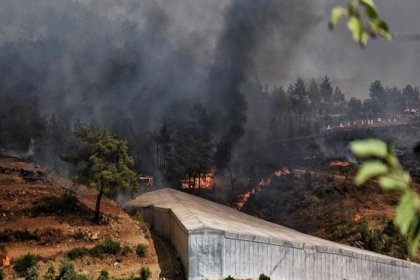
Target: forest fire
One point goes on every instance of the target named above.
(340, 163)
(6, 261)
(201, 181)
(280, 172)
(243, 199)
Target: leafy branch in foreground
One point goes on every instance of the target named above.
(363, 21)
(382, 164)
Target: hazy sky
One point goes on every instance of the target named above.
(296, 44)
(334, 53)
(313, 51)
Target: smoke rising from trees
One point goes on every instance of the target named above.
(132, 66)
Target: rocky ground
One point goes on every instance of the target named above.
(47, 215)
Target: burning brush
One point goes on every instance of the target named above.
(340, 163)
(243, 199)
(6, 262)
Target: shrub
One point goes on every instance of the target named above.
(23, 263)
(145, 273)
(107, 247)
(229, 278)
(17, 235)
(32, 273)
(263, 277)
(67, 272)
(110, 247)
(125, 251)
(50, 274)
(1, 274)
(79, 235)
(104, 275)
(141, 250)
(77, 252)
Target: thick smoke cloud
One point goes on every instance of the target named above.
(143, 61)
(131, 64)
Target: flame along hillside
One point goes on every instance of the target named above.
(39, 215)
(322, 200)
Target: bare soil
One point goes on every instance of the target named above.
(41, 206)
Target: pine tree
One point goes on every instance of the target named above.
(104, 163)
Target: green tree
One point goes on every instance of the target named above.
(314, 96)
(355, 108)
(103, 162)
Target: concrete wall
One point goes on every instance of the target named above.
(165, 223)
(214, 255)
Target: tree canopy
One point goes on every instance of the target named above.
(103, 162)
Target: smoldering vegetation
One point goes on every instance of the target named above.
(183, 86)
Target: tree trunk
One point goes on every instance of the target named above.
(194, 178)
(231, 179)
(199, 182)
(97, 217)
(157, 156)
(164, 160)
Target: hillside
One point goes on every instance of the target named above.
(47, 216)
(323, 201)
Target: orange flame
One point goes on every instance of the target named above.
(204, 181)
(341, 163)
(281, 172)
(6, 261)
(243, 199)
(358, 217)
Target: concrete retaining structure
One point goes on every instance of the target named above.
(214, 241)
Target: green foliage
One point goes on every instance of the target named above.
(104, 275)
(77, 252)
(50, 274)
(386, 168)
(1, 274)
(67, 272)
(369, 148)
(363, 21)
(145, 273)
(103, 161)
(369, 169)
(79, 235)
(141, 250)
(17, 235)
(32, 273)
(109, 247)
(229, 278)
(386, 239)
(23, 263)
(264, 277)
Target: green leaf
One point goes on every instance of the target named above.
(355, 26)
(369, 170)
(368, 3)
(364, 39)
(336, 14)
(406, 211)
(391, 183)
(370, 7)
(369, 148)
(415, 236)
